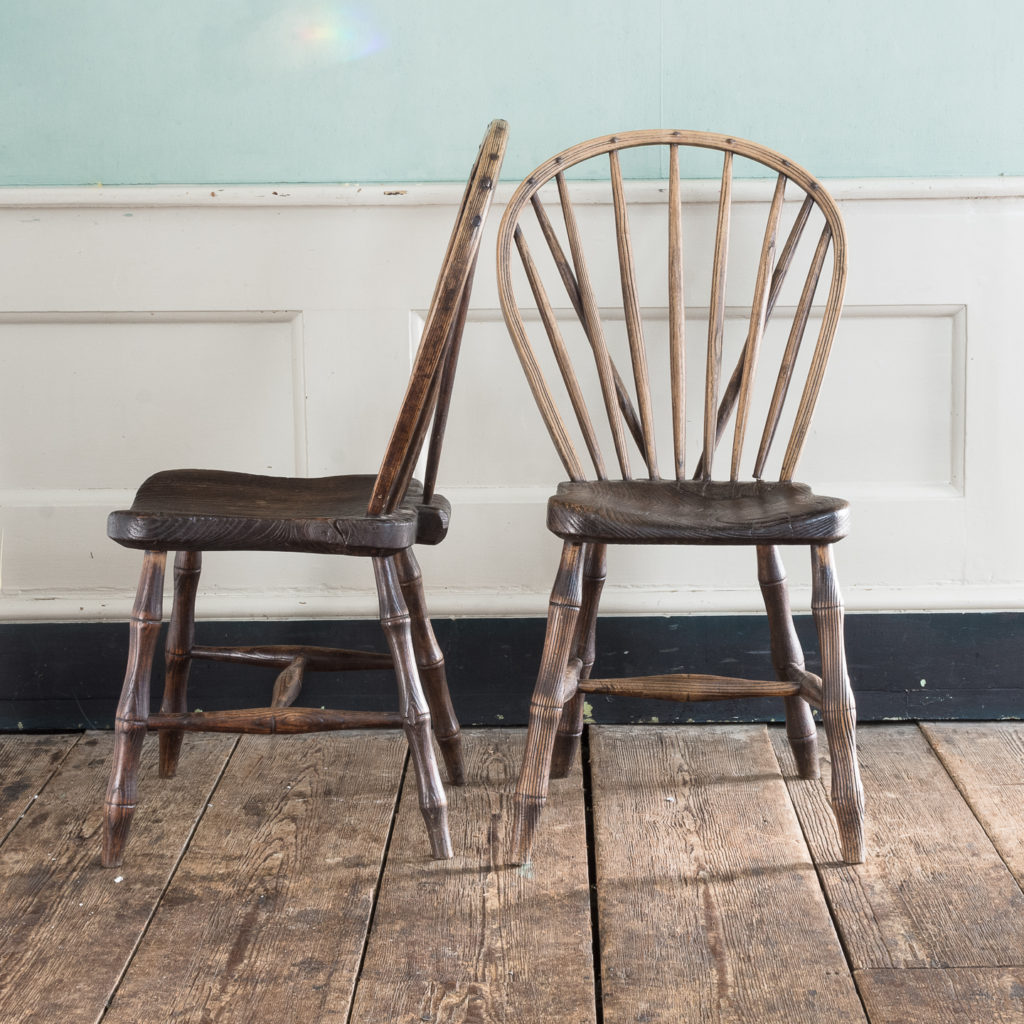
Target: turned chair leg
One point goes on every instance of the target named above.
(430, 661)
(547, 703)
(570, 726)
(133, 709)
(395, 618)
(178, 654)
(787, 654)
(838, 709)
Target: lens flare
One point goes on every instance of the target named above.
(315, 34)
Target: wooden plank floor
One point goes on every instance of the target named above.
(682, 873)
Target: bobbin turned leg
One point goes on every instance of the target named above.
(430, 662)
(787, 654)
(394, 617)
(838, 710)
(133, 709)
(178, 654)
(570, 727)
(546, 704)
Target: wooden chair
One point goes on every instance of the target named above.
(590, 512)
(378, 517)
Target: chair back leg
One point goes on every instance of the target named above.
(787, 654)
(547, 702)
(570, 727)
(133, 708)
(430, 662)
(838, 710)
(395, 618)
(178, 654)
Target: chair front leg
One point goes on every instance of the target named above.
(838, 709)
(178, 654)
(547, 702)
(133, 709)
(570, 726)
(786, 654)
(430, 661)
(394, 617)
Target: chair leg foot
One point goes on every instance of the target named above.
(527, 813)
(397, 624)
(433, 802)
(803, 737)
(133, 709)
(838, 710)
(178, 654)
(430, 662)
(119, 808)
(546, 705)
(567, 739)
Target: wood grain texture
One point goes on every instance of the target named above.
(548, 700)
(788, 660)
(686, 687)
(933, 892)
(188, 565)
(474, 941)
(694, 512)
(266, 918)
(68, 927)
(986, 762)
(993, 995)
(27, 763)
(708, 905)
(268, 721)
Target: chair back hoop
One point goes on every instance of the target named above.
(428, 393)
(628, 408)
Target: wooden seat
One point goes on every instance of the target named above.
(600, 327)
(209, 510)
(380, 517)
(695, 512)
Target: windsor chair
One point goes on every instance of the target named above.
(378, 517)
(589, 512)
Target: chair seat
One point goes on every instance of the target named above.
(210, 510)
(695, 512)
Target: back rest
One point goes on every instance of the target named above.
(594, 315)
(427, 396)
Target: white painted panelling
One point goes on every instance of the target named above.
(143, 329)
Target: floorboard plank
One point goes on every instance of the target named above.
(266, 918)
(68, 926)
(933, 891)
(980, 995)
(470, 940)
(27, 763)
(986, 761)
(708, 904)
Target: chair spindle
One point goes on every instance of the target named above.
(631, 310)
(758, 317)
(716, 318)
(572, 384)
(573, 291)
(676, 315)
(792, 350)
(592, 322)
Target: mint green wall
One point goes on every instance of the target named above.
(148, 91)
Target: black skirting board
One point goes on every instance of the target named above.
(929, 666)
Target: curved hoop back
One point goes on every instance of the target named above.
(428, 393)
(629, 410)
